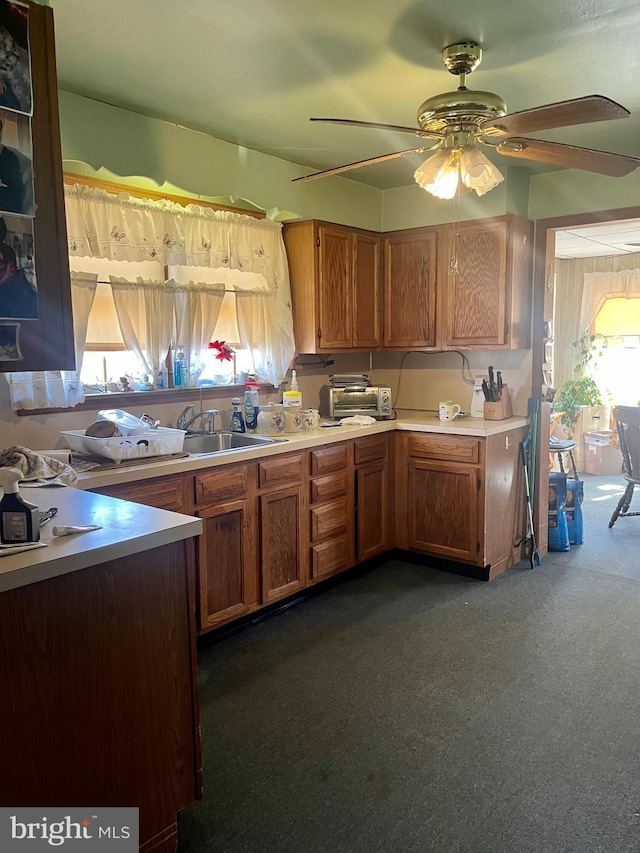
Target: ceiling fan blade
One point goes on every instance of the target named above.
(339, 169)
(571, 156)
(397, 128)
(585, 110)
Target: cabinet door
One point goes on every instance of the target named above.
(443, 509)
(372, 498)
(477, 296)
(366, 291)
(282, 566)
(227, 562)
(335, 264)
(410, 271)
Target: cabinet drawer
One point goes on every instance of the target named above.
(328, 520)
(167, 493)
(452, 448)
(329, 557)
(328, 459)
(223, 485)
(280, 471)
(327, 488)
(369, 449)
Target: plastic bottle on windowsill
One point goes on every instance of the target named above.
(179, 369)
(251, 406)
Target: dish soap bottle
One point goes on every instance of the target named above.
(19, 519)
(179, 372)
(237, 421)
(292, 397)
(251, 406)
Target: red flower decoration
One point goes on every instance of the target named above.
(224, 353)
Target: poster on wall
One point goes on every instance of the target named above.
(18, 285)
(16, 158)
(15, 59)
(10, 342)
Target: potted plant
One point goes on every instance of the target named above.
(574, 394)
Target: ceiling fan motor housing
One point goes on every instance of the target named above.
(463, 109)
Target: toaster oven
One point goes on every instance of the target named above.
(343, 402)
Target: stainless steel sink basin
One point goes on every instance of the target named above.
(223, 442)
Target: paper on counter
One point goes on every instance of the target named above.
(359, 420)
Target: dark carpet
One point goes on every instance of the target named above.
(410, 709)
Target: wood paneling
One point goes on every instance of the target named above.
(103, 701)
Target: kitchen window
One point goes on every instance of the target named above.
(163, 279)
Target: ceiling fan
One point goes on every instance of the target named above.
(456, 123)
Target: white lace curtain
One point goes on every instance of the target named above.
(119, 227)
(153, 313)
(58, 388)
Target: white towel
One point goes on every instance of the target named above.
(37, 470)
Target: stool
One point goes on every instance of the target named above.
(558, 447)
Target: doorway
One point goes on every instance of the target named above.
(548, 232)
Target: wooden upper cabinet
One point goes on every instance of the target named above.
(334, 273)
(46, 341)
(410, 286)
(487, 303)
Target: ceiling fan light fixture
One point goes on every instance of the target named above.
(439, 174)
(477, 171)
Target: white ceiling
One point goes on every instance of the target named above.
(252, 72)
(593, 241)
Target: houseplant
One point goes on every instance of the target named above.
(572, 396)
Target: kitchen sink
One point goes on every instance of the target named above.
(223, 442)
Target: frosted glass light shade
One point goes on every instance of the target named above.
(477, 171)
(441, 173)
(438, 175)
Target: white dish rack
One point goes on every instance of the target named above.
(158, 442)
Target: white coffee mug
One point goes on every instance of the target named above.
(447, 410)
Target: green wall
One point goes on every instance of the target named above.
(129, 144)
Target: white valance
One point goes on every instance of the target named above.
(599, 286)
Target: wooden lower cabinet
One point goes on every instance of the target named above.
(162, 493)
(372, 513)
(283, 567)
(227, 560)
(461, 498)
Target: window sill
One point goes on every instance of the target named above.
(95, 402)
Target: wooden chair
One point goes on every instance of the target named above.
(627, 420)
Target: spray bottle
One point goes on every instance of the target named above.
(19, 519)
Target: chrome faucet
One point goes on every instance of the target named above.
(181, 423)
(210, 414)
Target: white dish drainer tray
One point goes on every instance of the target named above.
(158, 442)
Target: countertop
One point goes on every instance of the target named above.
(127, 528)
(406, 420)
